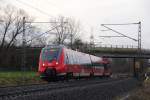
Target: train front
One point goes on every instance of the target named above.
(48, 62)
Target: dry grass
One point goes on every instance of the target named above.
(13, 78)
(142, 93)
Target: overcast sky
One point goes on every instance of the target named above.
(93, 13)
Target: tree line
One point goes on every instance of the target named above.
(64, 30)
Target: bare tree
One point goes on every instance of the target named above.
(61, 31)
(78, 44)
(67, 28)
(12, 26)
(34, 37)
(74, 30)
(7, 20)
(11, 29)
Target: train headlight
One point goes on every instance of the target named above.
(43, 64)
(56, 63)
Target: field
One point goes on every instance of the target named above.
(14, 78)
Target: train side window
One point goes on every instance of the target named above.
(79, 60)
(72, 54)
(67, 59)
(80, 57)
(74, 57)
(70, 57)
(77, 57)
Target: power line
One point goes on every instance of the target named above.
(111, 36)
(35, 8)
(40, 22)
(42, 34)
(139, 32)
(120, 24)
(51, 3)
(46, 22)
(119, 32)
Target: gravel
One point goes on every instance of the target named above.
(82, 90)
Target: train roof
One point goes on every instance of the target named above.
(62, 46)
(53, 46)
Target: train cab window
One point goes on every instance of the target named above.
(49, 54)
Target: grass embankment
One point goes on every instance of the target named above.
(13, 78)
(142, 93)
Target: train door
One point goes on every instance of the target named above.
(107, 70)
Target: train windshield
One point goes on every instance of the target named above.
(49, 54)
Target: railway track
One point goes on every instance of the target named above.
(19, 91)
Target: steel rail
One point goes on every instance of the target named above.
(50, 87)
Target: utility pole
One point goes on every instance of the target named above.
(138, 66)
(139, 37)
(92, 38)
(23, 49)
(71, 38)
(24, 38)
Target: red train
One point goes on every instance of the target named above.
(59, 61)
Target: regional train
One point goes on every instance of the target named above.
(60, 61)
